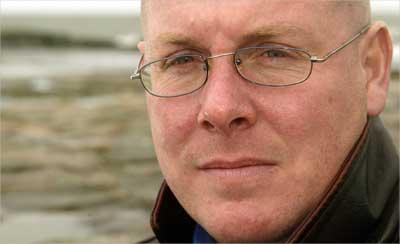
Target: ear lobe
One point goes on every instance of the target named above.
(377, 60)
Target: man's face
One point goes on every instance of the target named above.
(248, 162)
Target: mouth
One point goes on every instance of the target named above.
(238, 169)
(223, 164)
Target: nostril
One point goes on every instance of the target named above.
(238, 122)
(207, 125)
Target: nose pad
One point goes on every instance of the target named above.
(237, 61)
(206, 66)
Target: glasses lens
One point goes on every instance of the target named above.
(174, 76)
(273, 66)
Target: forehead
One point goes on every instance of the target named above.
(228, 21)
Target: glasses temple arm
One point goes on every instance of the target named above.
(136, 74)
(328, 55)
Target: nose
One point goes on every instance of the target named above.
(226, 102)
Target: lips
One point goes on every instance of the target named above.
(224, 164)
(238, 178)
(245, 175)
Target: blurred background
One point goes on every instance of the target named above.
(77, 162)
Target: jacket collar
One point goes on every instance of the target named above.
(361, 204)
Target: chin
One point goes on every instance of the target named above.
(240, 225)
(243, 232)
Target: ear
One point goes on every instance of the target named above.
(141, 46)
(376, 60)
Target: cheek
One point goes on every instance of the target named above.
(321, 111)
(172, 123)
(293, 112)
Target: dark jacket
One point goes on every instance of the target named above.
(361, 204)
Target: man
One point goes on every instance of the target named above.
(264, 117)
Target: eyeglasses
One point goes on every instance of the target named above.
(271, 65)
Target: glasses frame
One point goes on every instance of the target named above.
(312, 58)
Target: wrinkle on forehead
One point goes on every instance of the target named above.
(200, 23)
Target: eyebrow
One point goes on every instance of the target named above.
(176, 39)
(264, 33)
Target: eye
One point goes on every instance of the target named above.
(276, 53)
(180, 60)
